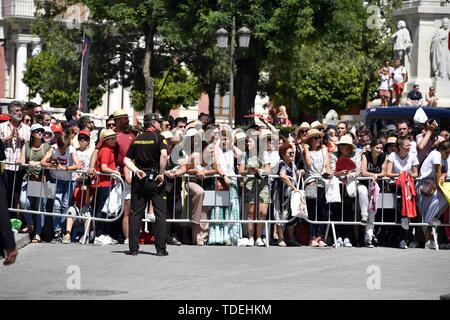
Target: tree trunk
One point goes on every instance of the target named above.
(212, 95)
(146, 70)
(247, 77)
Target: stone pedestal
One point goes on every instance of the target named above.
(423, 20)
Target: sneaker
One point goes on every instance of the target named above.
(339, 242)
(412, 244)
(403, 245)
(174, 241)
(251, 242)
(162, 253)
(313, 243)
(66, 239)
(430, 245)
(99, 240)
(321, 243)
(126, 241)
(260, 242)
(242, 242)
(281, 243)
(57, 238)
(347, 243)
(110, 240)
(368, 244)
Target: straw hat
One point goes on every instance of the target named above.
(391, 140)
(107, 133)
(316, 124)
(346, 139)
(120, 113)
(303, 125)
(313, 133)
(240, 136)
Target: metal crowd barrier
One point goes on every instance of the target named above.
(45, 190)
(386, 200)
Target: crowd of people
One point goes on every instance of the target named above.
(392, 85)
(204, 157)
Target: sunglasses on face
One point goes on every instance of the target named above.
(47, 135)
(83, 139)
(26, 120)
(38, 131)
(290, 153)
(110, 125)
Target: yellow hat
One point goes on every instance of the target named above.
(107, 133)
(120, 113)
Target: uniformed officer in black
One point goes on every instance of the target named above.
(7, 242)
(147, 158)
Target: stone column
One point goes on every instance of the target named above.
(21, 90)
(36, 49)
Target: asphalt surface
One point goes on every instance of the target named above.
(57, 271)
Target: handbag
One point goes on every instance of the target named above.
(428, 188)
(332, 193)
(311, 190)
(298, 203)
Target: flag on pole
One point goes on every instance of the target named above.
(83, 100)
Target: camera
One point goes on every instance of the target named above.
(152, 174)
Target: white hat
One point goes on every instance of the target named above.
(191, 132)
(346, 139)
(240, 135)
(316, 124)
(36, 126)
(48, 130)
(167, 134)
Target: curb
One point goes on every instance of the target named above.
(22, 240)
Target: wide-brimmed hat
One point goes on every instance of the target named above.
(120, 113)
(391, 140)
(314, 133)
(107, 133)
(303, 125)
(346, 139)
(316, 124)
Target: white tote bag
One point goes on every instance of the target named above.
(332, 192)
(113, 203)
(298, 203)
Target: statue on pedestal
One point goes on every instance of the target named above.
(402, 43)
(440, 51)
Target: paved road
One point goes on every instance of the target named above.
(225, 273)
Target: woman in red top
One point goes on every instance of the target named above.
(106, 164)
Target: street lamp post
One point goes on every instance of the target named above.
(222, 42)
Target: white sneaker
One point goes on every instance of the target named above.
(251, 242)
(403, 245)
(347, 243)
(109, 240)
(339, 242)
(99, 239)
(125, 241)
(260, 242)
(430, 245)
(243, 242)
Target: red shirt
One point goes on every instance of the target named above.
(105, 156)
(124, 140)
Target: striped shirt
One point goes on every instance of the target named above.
(13, 147)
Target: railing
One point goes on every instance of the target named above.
(18, 8)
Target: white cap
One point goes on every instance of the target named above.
(36, 126)
(191, 132)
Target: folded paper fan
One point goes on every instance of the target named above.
(345, 164)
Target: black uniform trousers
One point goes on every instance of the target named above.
(7, 241)
(142, 191)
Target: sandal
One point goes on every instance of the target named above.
(36, 239)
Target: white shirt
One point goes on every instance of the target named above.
(64, 160)
(427, 170)
(398, 74)
(385, 82)
(13, 147)
(85, 158)
(400, 165)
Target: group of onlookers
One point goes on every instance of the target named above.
(213, 160)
